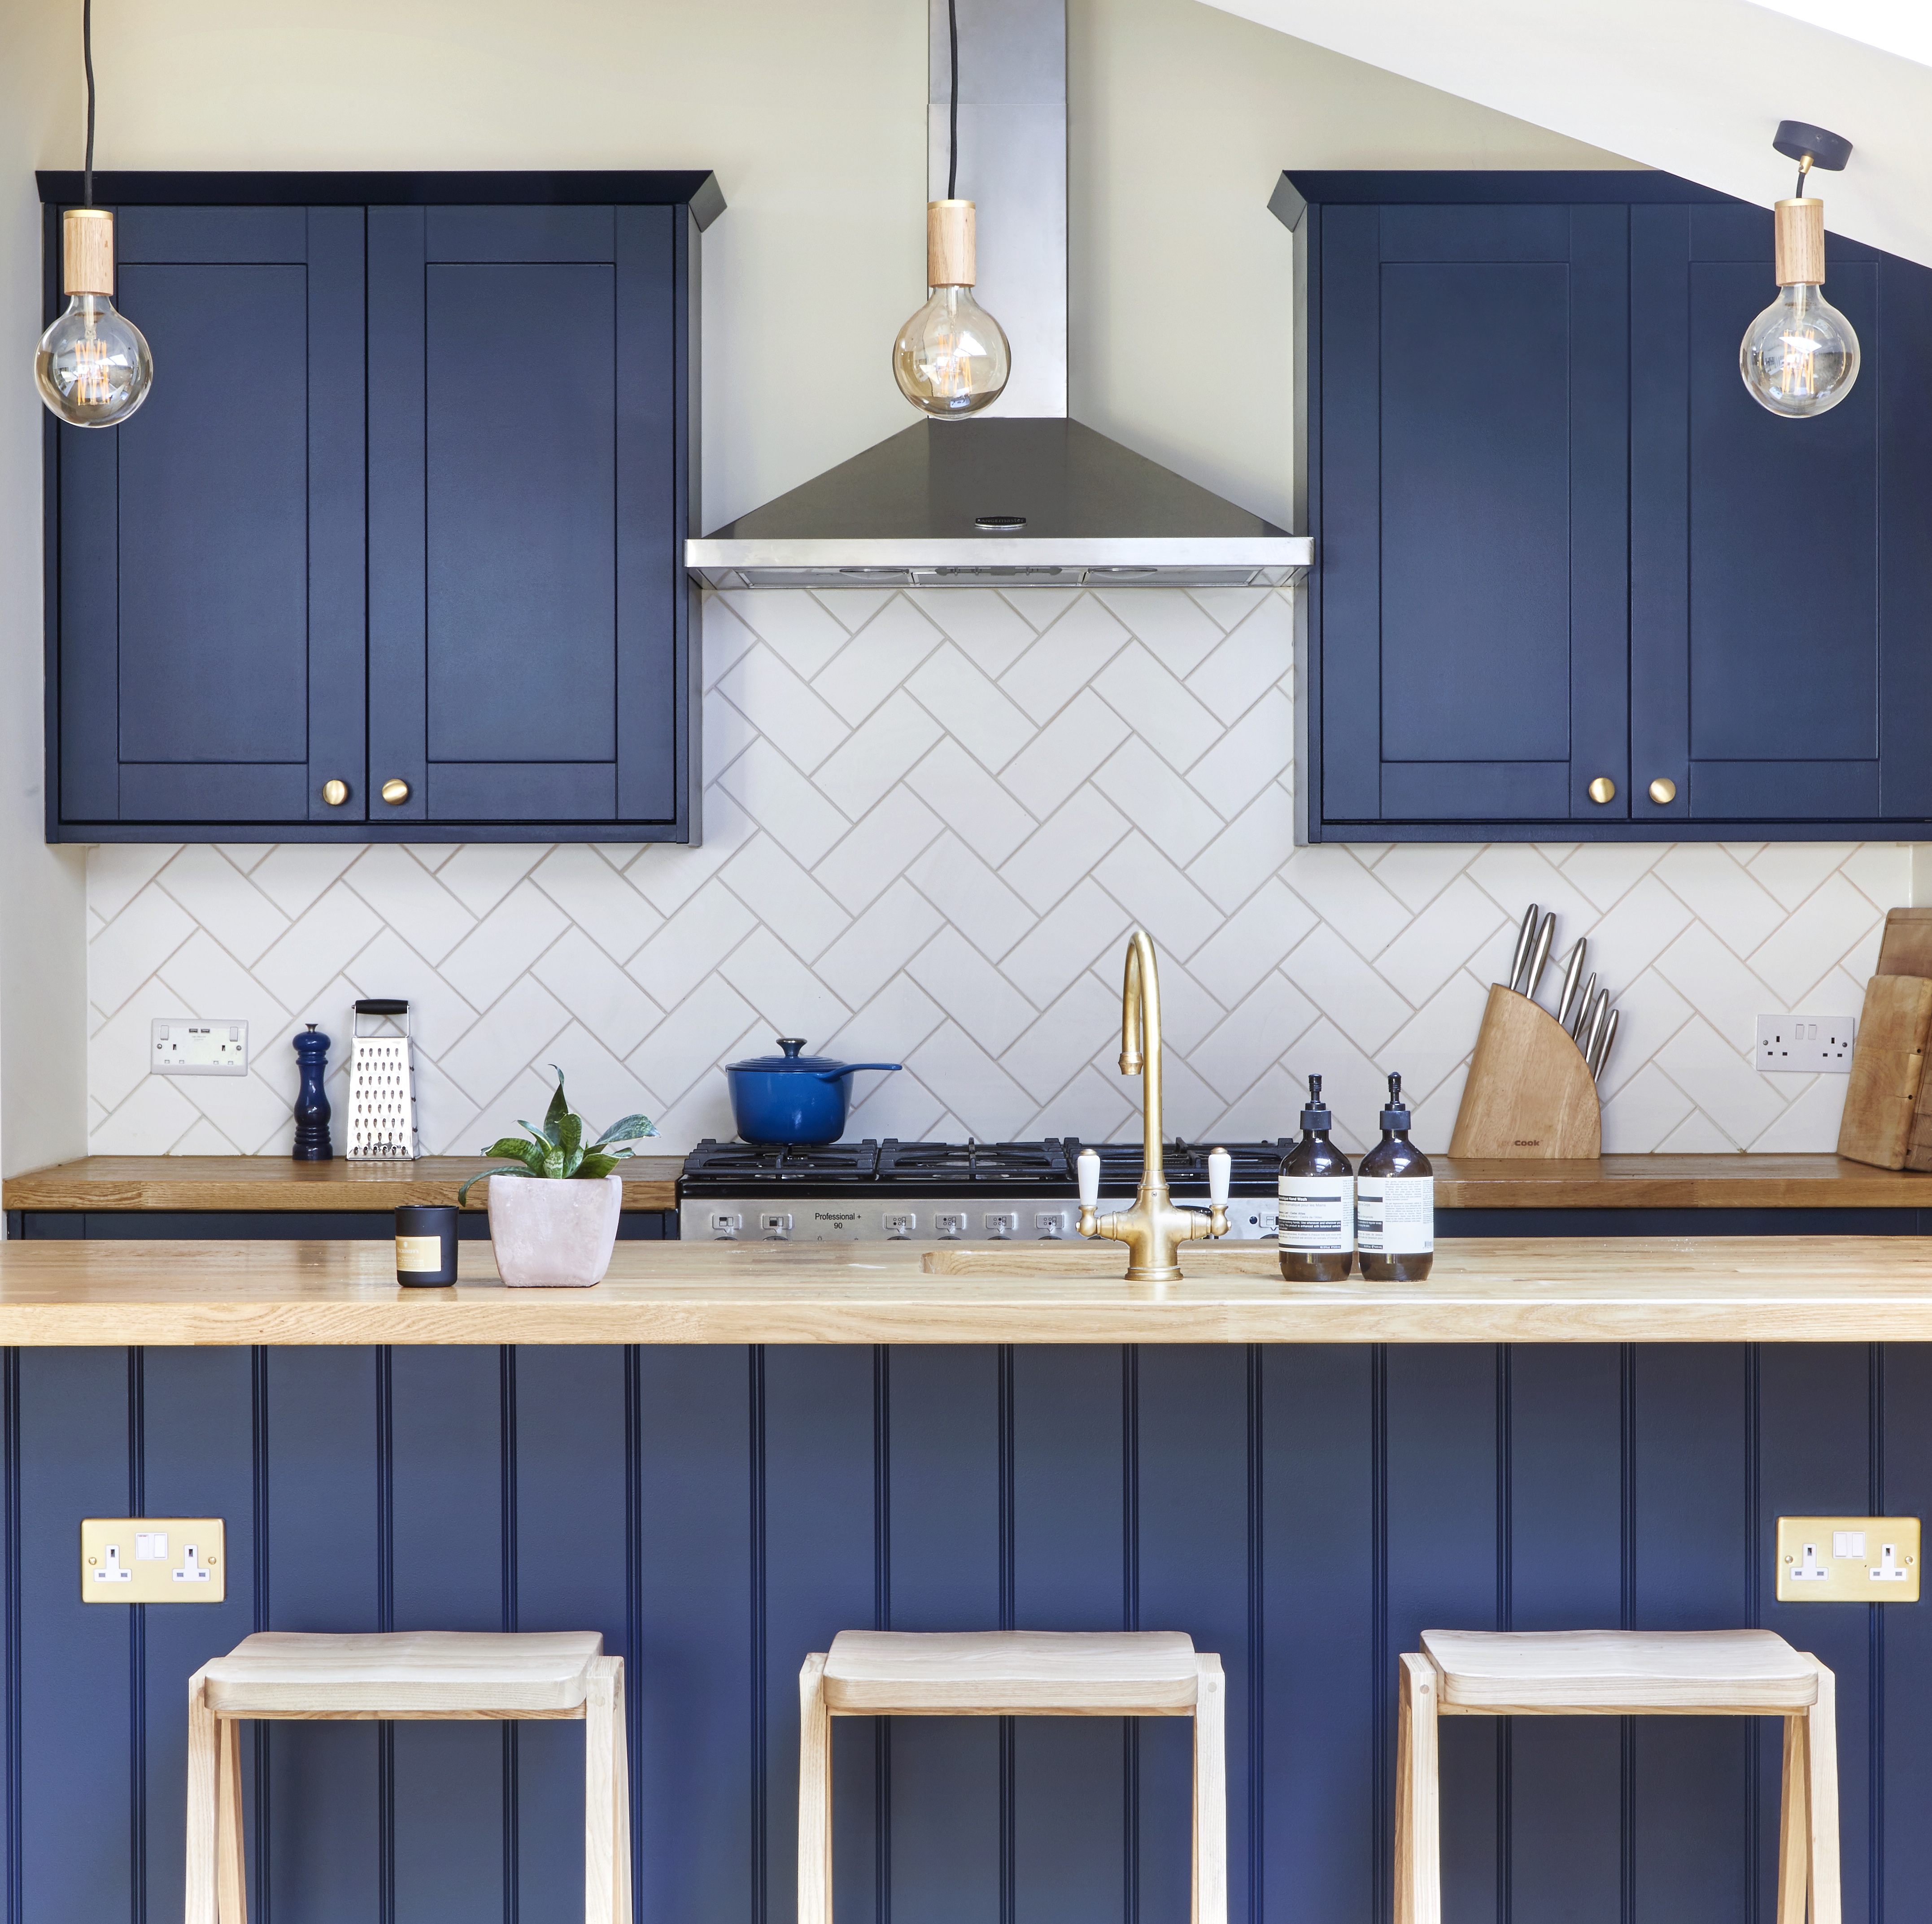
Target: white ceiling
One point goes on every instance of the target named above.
(1696, 87)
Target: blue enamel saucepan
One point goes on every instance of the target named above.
(792, 1098)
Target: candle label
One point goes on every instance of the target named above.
(1316, 1214)
(1395, 1215)
(419, 1252)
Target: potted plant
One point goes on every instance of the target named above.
(557, 1231)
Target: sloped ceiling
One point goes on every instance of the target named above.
(1696, 87)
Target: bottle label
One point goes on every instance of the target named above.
(1395, 1215)
(419, 1252)
(1317, 1214)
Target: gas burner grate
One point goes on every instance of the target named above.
(1006, 1163)
(848, 1162)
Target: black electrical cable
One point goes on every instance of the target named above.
(87, 61)
(953, 162)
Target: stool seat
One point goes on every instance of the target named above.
(404, 1673)
(1556, 1673)
(1012, 1673)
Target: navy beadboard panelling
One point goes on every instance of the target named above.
(717, 1513)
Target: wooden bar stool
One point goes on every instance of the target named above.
(413, 1675)
(1012, 1673)
(1616, 1673)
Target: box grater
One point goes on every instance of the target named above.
(382, 1085)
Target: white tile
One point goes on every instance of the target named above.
(1415, 872)
(1834, 919)
(503, 945)
(777, 798)
(1080, 1029)
(703, 1113)
(1808, 1123)
(1628, 937)
(855, 608)
(1080, 928)
(1169, 621)
(411, 901)
(726, 637)
(1354, 1086)
(480, 874)
(1439, 1039)
(781, 894)
(1791, 870)
(1066, 658)
(668, 876)
(1266, 1109)
(971, 991)
(1189, 1107)
(799, 627)
(1041, 607)
(1160, 802)
(319, 946)
(1255, 941)
(431, 855)
(879, 944)
(1154, 703)
(1351, 898)
(969, 706)
(118, 871)
(1607, 871)
(878, 752)
(597, 993)
(1461, 925)
(979, 620)
(1881, 872)
(692, 945)
(1254, 1035)
(448, 1122)
(1227, 608)
(1710, 1069)
(727, 734)
(505, 1041)
(973, 1086)
(1650, 1012)
(1246, 757)
(600, 900)
(695, 1040)
(1718, 890)
(117, 1051)
(132, 946)
(1093, 1107)
(1712, 980)
(222, 901)
(880, 847)
(1155, 894)
(783, 989)
(896, 1021)
(974, 899)
(1259, 843)
(204, 980)
(387, 966)
(151, 1122)
(877, 661)
(1697, 1135)
(1360, 1005)
(1258, 655)
(249, 1110)
(293, 874)
(1072, 840)
(600, 1088)
(1514, 874)
(952, 783)
(1064, 753)
(780, 704)
(899, 1105)
(205, 1138)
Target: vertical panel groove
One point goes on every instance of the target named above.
(1004, 1470)
(1627, 1620)
(1130, 1615)
(1381, 1700)
(1256, 1602)
(761, 1759)
(634, 1551)
(882, 1619)
(506, 1366)
(385, 1619)
(10, 1387)
(137, 1655)
(1875, 1612)
(259, 1904)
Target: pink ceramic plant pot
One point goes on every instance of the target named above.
(549, 1235)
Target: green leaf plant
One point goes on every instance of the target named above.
(558, 1151)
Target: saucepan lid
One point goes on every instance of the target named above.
(791, 1062)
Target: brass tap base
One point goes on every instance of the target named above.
(1137, 1275)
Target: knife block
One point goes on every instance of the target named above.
(1529, 1093)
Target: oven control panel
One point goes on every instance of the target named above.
(920, 1219)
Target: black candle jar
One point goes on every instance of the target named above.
(426, 1246)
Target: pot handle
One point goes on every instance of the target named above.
(852, 1068)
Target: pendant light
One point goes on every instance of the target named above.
(1800, 355)
(951, 359)
(92, 366)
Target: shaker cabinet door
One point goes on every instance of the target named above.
(207, 609)
(1472, 485)
(527, 605)
(1781, 570)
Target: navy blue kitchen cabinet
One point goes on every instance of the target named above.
(1561, 553)
(405, 512)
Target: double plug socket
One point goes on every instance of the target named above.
(1848, 1560)
(153, 1560)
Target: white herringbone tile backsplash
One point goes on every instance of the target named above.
(929, 821)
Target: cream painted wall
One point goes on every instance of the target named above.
(43, 890)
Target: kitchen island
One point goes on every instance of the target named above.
(723, 1455)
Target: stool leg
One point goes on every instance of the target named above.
(601, 1739)
(814, 1795)
(231, 1861)
(1821, 1797)
(621, 1779)
(203, 1743)
(1418, 1850)
(1794, 1826)
(1210, 1794)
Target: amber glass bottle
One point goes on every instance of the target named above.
(1316, 1212)
(1395, 1202)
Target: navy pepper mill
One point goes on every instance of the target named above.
(312, 1143)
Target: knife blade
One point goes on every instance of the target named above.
(1525, 937)
(1573, 971)
(1594, 1029)
(1603, 1053)
(1539, 958)
(1582, 1014)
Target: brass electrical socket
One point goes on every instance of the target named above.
(153, 1560)
(1848, 1560)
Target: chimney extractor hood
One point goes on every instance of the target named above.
(978, 503)
(1019, 494)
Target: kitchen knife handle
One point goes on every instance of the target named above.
(1572, 970)
(1539, 960)
(1583, 1010)
(1602, 1050)
(1594, 1029)
(1525, 937)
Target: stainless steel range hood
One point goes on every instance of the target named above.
(1068, 506)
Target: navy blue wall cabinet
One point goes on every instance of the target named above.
(1559, 541)
(407, 505)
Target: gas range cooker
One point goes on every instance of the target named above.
(894, 1191)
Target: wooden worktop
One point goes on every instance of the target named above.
(1767, 1289)
(277, 1183)
(1610, 1183)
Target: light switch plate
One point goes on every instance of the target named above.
(1848, 1560)
(184, 1045)
(1805, 1044)
(153, 1560)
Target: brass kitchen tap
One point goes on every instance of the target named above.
(1153, 1229)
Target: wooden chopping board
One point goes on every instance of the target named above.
(1907, 950)
(1882, 1102)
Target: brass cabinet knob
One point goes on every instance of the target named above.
(1602, 789)
(335, 793)
(1662, 790)
(395, 790)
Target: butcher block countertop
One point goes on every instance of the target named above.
(1611, 1182)
(276, 1182)
(1766, 1289)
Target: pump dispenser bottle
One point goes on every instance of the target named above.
(1395, 1202)
(1316, 1212)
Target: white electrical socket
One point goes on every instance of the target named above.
(185, 1045)
(1791, 1045)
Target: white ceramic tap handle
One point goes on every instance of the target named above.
(1220, 1167)
(1089, 1167)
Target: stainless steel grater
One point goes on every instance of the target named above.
(382, 1085)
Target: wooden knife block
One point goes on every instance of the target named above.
(1529, 1092)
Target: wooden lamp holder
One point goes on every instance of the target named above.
(1530, 1094)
